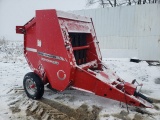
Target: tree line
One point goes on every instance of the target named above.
(115, 3)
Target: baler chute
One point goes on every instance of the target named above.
(62, 50)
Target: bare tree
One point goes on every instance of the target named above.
(102, 3)
(114, 3)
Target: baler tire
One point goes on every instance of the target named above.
(38, 90)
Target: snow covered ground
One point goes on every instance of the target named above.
(73, 104)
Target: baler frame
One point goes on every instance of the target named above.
(74, 61)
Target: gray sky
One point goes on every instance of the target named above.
(18, 12)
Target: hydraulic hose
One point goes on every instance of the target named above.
(138, 94)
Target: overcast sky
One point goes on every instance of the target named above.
(18, 12)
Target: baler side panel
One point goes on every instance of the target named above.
(30, 50)
(52, 52)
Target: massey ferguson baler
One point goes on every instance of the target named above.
(62, 49)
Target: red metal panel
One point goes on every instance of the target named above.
(75, 26)
(129, 88)
(30, 23)
(71, 16)
(30, 47)
(53, 55)
(84, 80)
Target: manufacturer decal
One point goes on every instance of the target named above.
(39, 43)
(50, 61)
(61, 75)
(31, 49)
(51, 56)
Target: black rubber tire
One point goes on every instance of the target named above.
(39, 86)
(142, 96)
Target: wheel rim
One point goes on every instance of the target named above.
(31, 86)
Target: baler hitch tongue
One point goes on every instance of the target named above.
(140, 95)
(131, 89)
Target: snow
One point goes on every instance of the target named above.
(11, 75)
(13, 70)
(142, 72)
